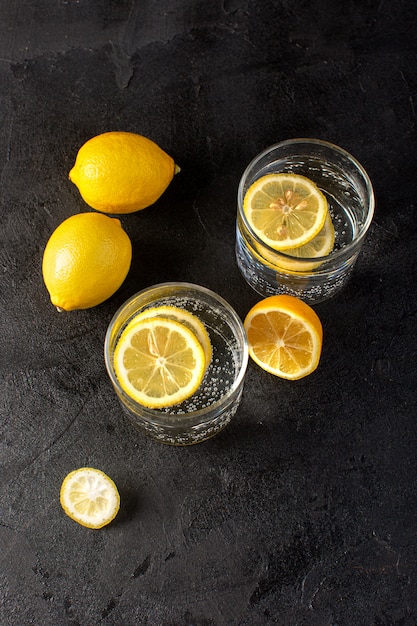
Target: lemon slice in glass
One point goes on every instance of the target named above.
(184, 317)
(285, 210)
(89, 497)
(159, 362)
(320, 246)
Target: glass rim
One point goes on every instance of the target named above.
(338, 254)
(194, 417)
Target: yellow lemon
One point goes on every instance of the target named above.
(89, 497)
(285, 336)
(85, 260)
(119, 172)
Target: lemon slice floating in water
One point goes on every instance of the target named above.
(320, 246)
(184, 317)
(159, 362)
(285, 210)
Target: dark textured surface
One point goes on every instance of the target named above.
(303, 511)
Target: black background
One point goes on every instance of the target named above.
(303, 511)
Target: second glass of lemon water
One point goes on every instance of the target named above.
(214, 404)
(350, 197)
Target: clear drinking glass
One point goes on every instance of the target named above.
(350, 196)
(216, 401)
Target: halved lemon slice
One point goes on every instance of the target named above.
(89, 497)
(184, 317)
(159, 362)
(285, 210)
(285, 336)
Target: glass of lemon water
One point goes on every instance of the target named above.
(300, 232)
(210, 408)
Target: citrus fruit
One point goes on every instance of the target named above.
(285, 210)
(89, 497)
(85, 260)
(159, 362)
(184, 317)
(285, 336)
(320, 246)
(120, 172)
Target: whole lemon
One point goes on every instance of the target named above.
(85, 260)
(119, 172)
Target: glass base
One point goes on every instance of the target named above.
(178, 435)
(267, 281)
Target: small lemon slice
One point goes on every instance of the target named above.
(320, 246)
(159, 362)
(89, 497)
(285, 336)
(285, 210)
(184, 317)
